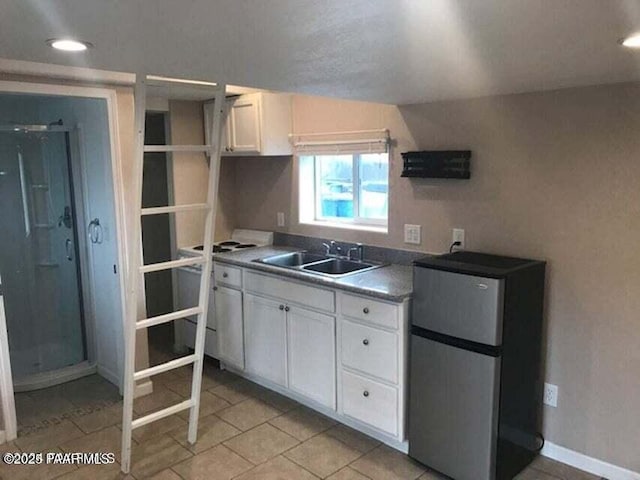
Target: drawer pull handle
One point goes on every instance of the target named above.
(365, 393)
(286, 309)
(225, 275)
(215, 288)
(281, 307)
(365, 342)
(365, 310)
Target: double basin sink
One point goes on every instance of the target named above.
(318, 264)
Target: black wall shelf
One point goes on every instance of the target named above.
(437, 164)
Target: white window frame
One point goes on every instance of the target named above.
(309, 146)
(356, 219)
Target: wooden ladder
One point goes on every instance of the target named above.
(137, 269)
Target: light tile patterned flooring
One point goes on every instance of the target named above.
(246, 432)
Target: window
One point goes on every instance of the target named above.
(345, 189)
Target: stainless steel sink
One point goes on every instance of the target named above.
(317, 264)
(338, 266)
(293, 259)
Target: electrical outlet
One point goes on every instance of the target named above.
(550, 395)
(458, 236)
(281, 219)
(412, 234)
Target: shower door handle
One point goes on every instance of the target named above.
(23, 191)
(69, 249)
(95, 231)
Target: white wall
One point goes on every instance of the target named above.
(555, 176)
(90, 115)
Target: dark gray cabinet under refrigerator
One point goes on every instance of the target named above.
(476, 334)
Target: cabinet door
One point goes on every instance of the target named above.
(228, 310)
(311, 347)
(243, 125)
(265, 338)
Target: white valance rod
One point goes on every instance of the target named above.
(342, 142)
(352, 132)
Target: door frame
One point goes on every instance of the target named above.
(109, 95)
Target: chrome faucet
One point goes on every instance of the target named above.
(334, 250)
(359, 249)
(329, 247)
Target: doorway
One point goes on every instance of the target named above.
(157, 234)
(61, 255)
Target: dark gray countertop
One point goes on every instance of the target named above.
(392, 282)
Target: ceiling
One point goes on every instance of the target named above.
(390, 51)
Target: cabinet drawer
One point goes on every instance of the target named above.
(226, 275)
(290, 291)
(370, 350)
(370, 402)
(363, 308)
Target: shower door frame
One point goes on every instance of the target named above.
(109, 95)
(74, 147)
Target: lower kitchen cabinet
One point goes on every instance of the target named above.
(265, 338)
(343, 354)
(311, 348)
(228, 312)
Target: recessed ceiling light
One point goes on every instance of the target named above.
(632, 41)
(68, 45)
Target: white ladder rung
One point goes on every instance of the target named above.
(174, 209)
(183, 262)
(167, 317)
(160, 414)
(177, 148)
(165, 367)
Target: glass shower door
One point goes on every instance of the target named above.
(38, 254)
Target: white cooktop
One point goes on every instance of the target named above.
(240, 239)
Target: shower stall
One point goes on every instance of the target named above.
(40, 258)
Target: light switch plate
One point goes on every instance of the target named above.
(281, 219)
(413, 234)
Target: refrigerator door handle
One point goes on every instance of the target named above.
(481, 348)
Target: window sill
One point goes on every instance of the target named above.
(347, 226)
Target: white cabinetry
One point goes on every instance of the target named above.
(311, 348)
(256, 124)
(342, 354)
(265, 338)
(372, 337)
(228, 311)
(242, 129)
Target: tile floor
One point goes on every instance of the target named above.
(246, 432)
(42, 408)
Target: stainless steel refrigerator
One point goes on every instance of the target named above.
(475, 393)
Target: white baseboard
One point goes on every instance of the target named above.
(588, 464)
(109, 375)
(143, 389)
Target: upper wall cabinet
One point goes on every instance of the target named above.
(256, 124)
